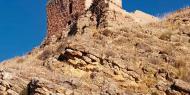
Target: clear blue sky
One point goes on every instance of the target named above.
(23, 22)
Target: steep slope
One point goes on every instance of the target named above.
(126, 58)
(180, 17)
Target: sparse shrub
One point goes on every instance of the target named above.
(141, 35)
(144, 47)
(109, 53)
(154, 60)
(182, 68)
(154, 93)
(107, 32)
(167, 50)
(187, 78)
(125, 29)
(120, 41)
(24, 91)
(20, 60)
(45, 55)
(180, 64)
(61, 48)
(183, 73)
(166, 36)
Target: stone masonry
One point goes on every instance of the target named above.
(63, 14)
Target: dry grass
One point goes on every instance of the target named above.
(20, 60)
(183, 69)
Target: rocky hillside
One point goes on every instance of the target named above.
(128, 58)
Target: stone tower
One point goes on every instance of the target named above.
(62, 13)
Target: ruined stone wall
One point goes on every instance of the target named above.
(63, 14)
(60, 13)
(115, 5)
(116, 2)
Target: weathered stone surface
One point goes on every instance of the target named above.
(172, 92)
(2, 88)
(73, 52)
(162, 86)
(87, 59)
(6, 75)
(94, 58)
(11, 92)
(182, 85)
(38, 87)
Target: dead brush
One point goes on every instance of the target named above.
(45, 55)
(20, 60)
(166, 36)
(182, 68)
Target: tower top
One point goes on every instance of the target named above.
(89, 2)
(64, 13)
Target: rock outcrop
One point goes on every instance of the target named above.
(181, 85)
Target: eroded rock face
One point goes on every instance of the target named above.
(6, 88)
(182, 85)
